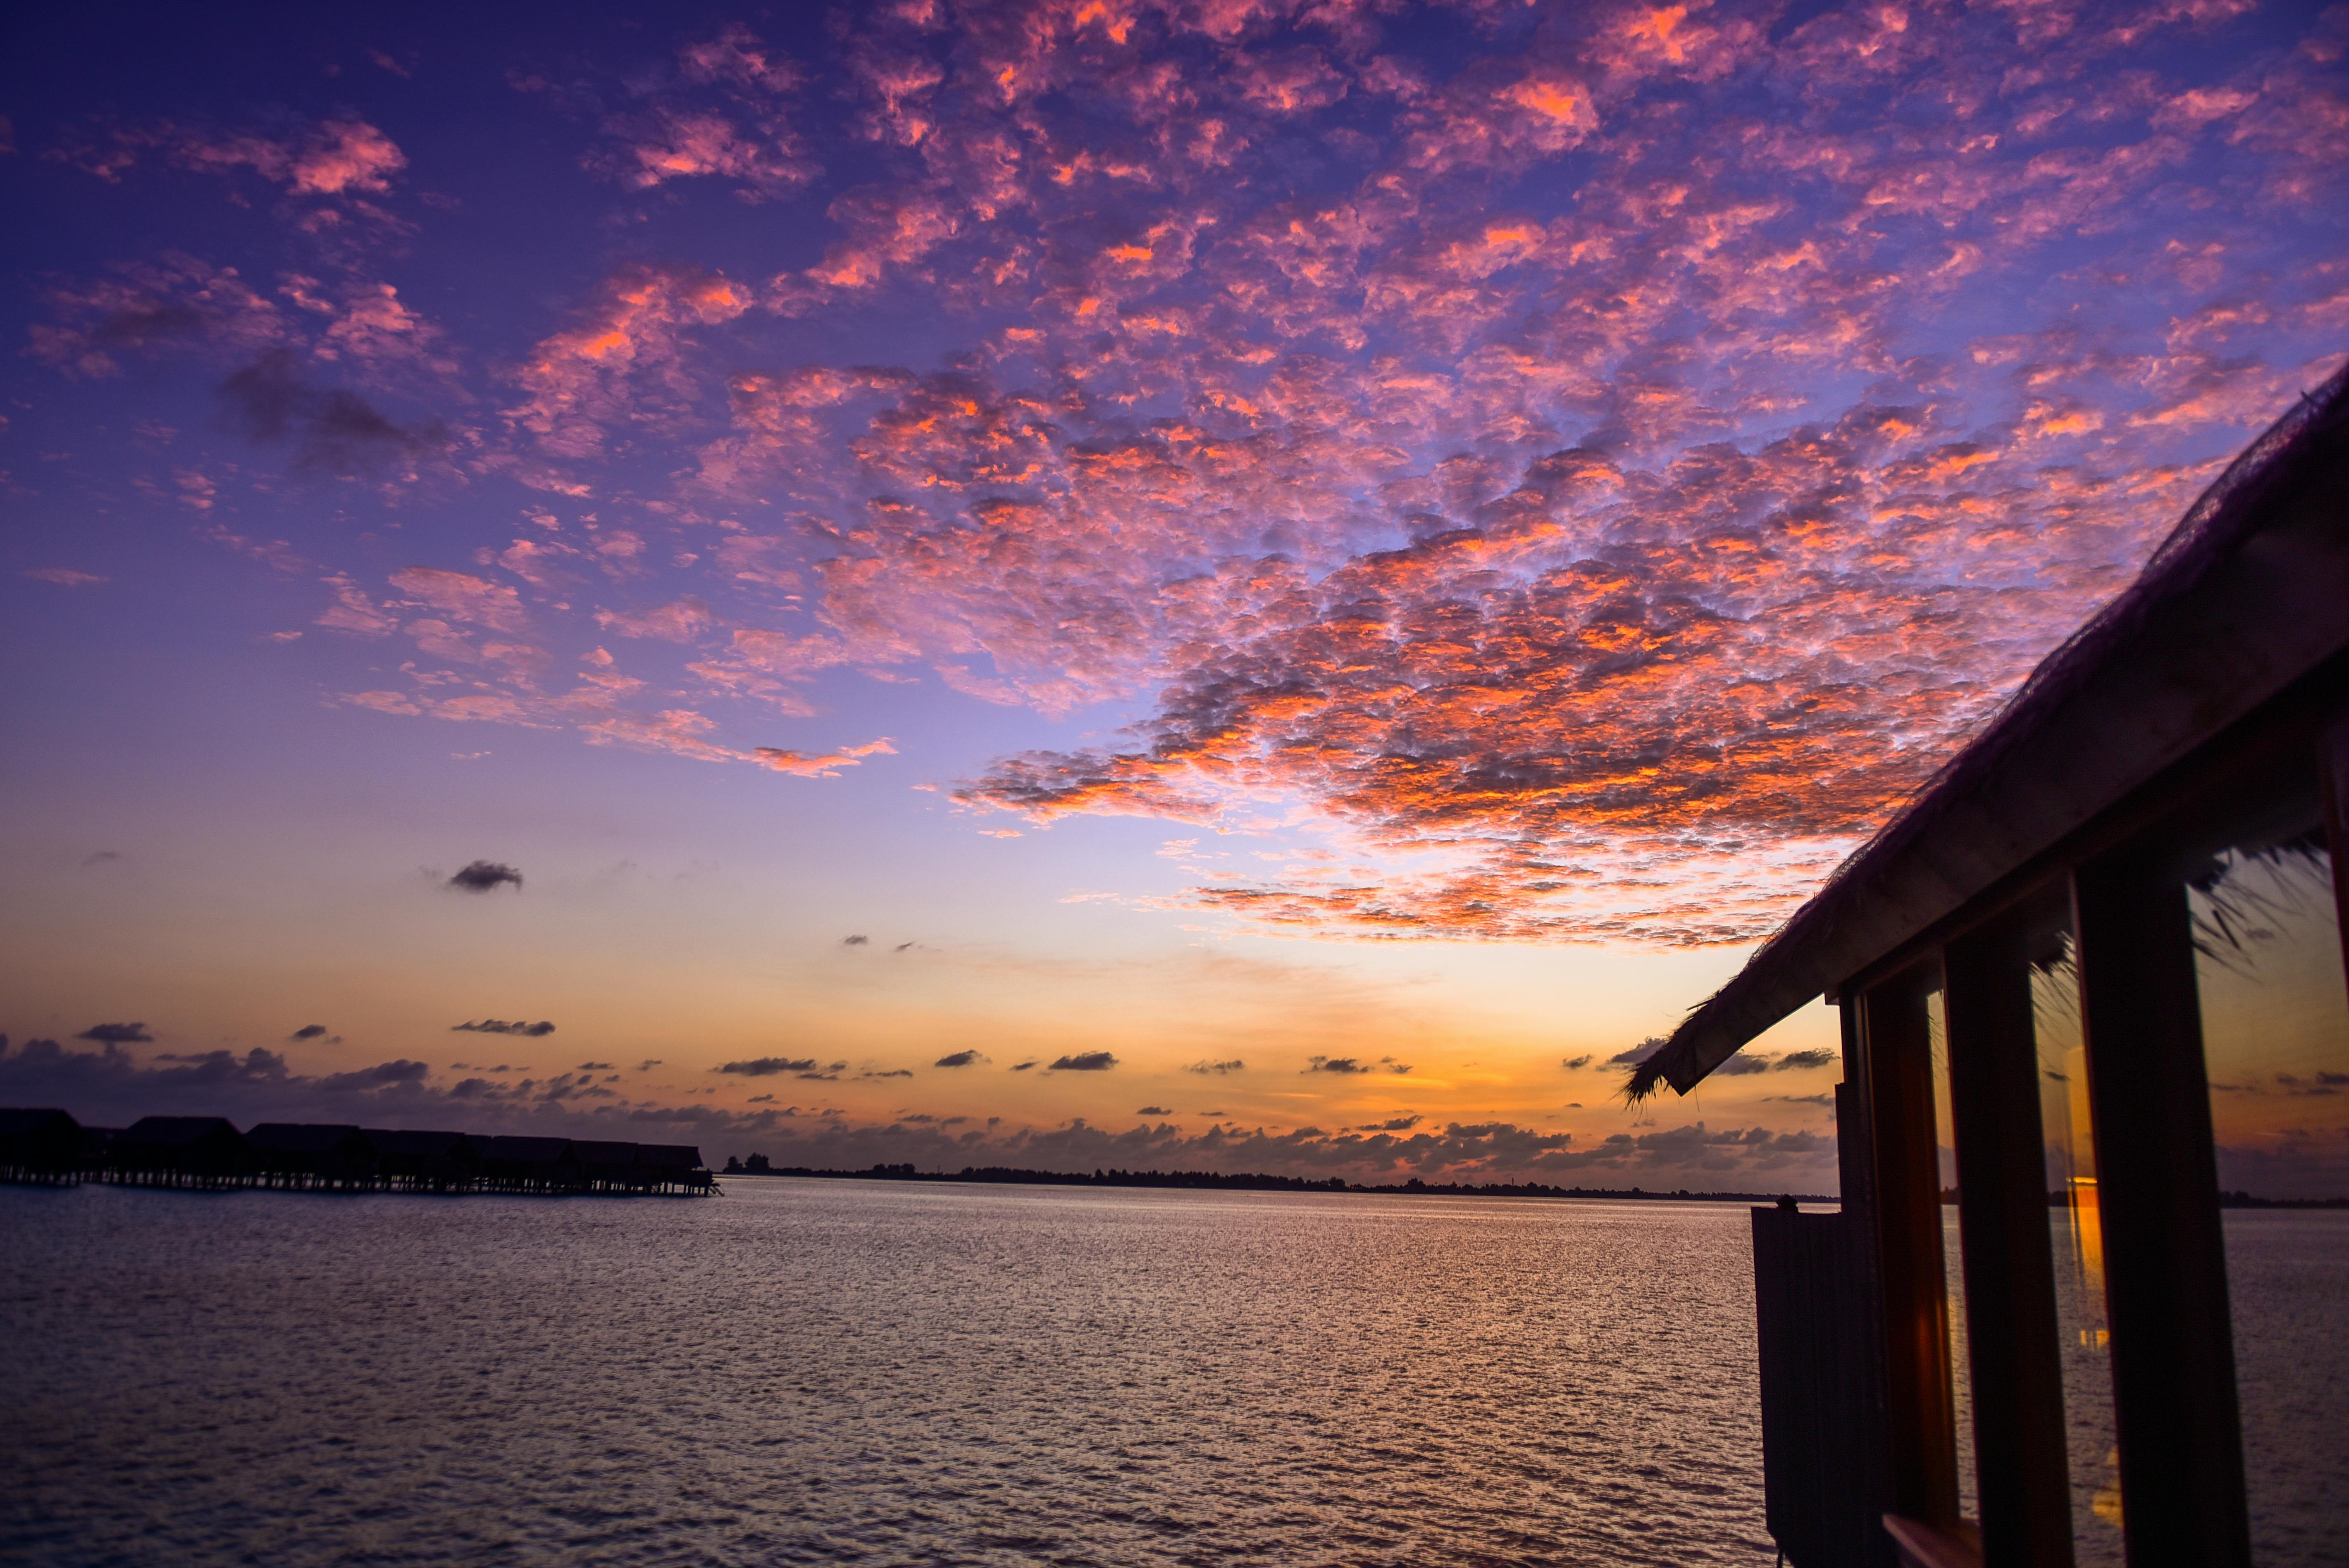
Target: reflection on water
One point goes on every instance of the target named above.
(2275, 1033)
(2287, 1274)
(845, 1372)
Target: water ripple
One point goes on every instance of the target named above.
(876, 1373)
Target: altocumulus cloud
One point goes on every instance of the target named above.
(959, 1059)
(1084, 1062)
(1218, 1068)
(503, 1026)
(1438, 542)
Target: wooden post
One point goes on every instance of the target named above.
(2019, 1458)
(1907, 1194)
(2157, 1196)
(2333, 766)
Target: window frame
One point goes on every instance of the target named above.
(2179, 1427)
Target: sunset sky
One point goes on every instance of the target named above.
(1228, 584)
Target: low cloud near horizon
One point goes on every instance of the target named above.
(111, 1088)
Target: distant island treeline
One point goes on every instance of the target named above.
(1220, 1181)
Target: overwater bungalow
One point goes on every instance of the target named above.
(40, 1147)
(47, 1148)
(424, 1161)
(179, 1151)
(312, 1154)
(2092, 999)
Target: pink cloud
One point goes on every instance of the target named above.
(1576, 484)
(824, 767)
(463, 596)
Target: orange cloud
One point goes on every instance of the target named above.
(1575, 482)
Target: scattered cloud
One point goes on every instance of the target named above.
(1355, 1065)
(769, 1066)
(109, 1088)
(333, 430)
(1575, 1063)
(1637, 1054)
(503, 1026)
(481, 876)
(1819, 1057)
(959, 1059)
(65, 576)
(853, 941)
(1153, 1111)
(1566, 476)
(827, 765)
(1084, 1062)
(118, 1035)
(1217, 1068)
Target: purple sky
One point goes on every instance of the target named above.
(1218, 534)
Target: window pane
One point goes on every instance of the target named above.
(1953, 1268)
(2077, 1243)
(2275, 1032)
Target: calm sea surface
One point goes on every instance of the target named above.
(875, 1373)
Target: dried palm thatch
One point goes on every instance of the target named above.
(2101, 715)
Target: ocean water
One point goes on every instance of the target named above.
(836, 1372)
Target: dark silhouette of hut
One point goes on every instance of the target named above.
(40, 1148)
(199, 1151)
(411, 1161)
(2028, 958)
(512, 1164)
(303, 1155)
(673, 1167)
(607, 1167)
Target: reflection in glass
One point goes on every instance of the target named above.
(2275, 1036)
(2077, 1241)
(1953, 1268)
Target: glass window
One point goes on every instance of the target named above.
(1953, 1270)
(2077, 1242)
(2275, 1035)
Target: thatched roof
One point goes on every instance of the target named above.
(300, 1137)
(16, 1123)
(178, 1132)
(2250, 593)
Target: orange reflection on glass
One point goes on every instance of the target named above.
(2077, 1241)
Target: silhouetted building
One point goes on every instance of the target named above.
(304, 1154)
(179, 1151)
(2089, 979)
(40, 1147)
(422, 1160)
